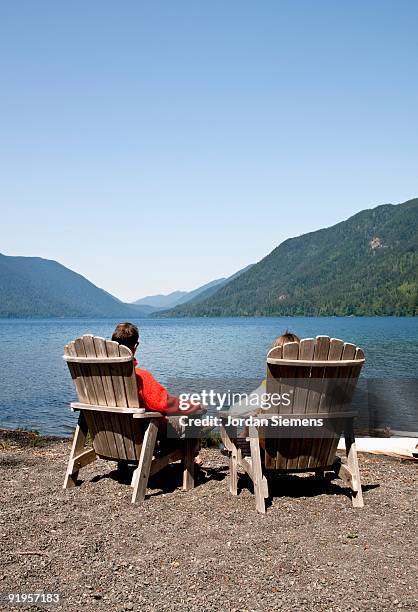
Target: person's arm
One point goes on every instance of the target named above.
(157, 398)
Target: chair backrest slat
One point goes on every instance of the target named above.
(306, 349)
(70, 351)
(336, 347)
(129, 379)
(321, 348)
(101, 351)
(116, 374)
(349, 351)
(94, 371)
(85, 372)
(104, 437)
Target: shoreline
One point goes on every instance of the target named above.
(29, 437)
(214, 317)
(401, 447)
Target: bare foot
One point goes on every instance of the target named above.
(198, 460)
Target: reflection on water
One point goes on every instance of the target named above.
(36, 387)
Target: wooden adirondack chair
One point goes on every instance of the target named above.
(120, 430)
(320, 376)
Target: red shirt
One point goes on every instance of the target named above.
(154, 396)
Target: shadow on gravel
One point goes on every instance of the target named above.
(289, 485)
(13, 462)
(168, 480)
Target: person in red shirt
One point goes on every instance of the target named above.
(152, 395)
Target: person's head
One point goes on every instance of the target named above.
(126, 334)
(284, 338)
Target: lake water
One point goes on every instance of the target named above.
(36, 387)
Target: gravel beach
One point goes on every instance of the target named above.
(205, 549)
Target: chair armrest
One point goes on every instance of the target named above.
(149, 414)
(139, 412)
(294, 415)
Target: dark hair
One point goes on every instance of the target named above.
(126, 334)
(286, 337)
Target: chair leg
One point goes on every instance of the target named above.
(265, 488)
(135, 476)
(233, 471)
(226, 440)
(189, 465)
(233, 460)
(77, 448)
(352, 464)
(141, 474)
(260, 482)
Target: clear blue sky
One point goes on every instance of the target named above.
(154, 146)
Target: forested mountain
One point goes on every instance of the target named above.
(366, 265)
(35, 287)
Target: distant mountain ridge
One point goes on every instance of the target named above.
(36, 287)
(176, 298)
(161, 300)
(366, 265)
